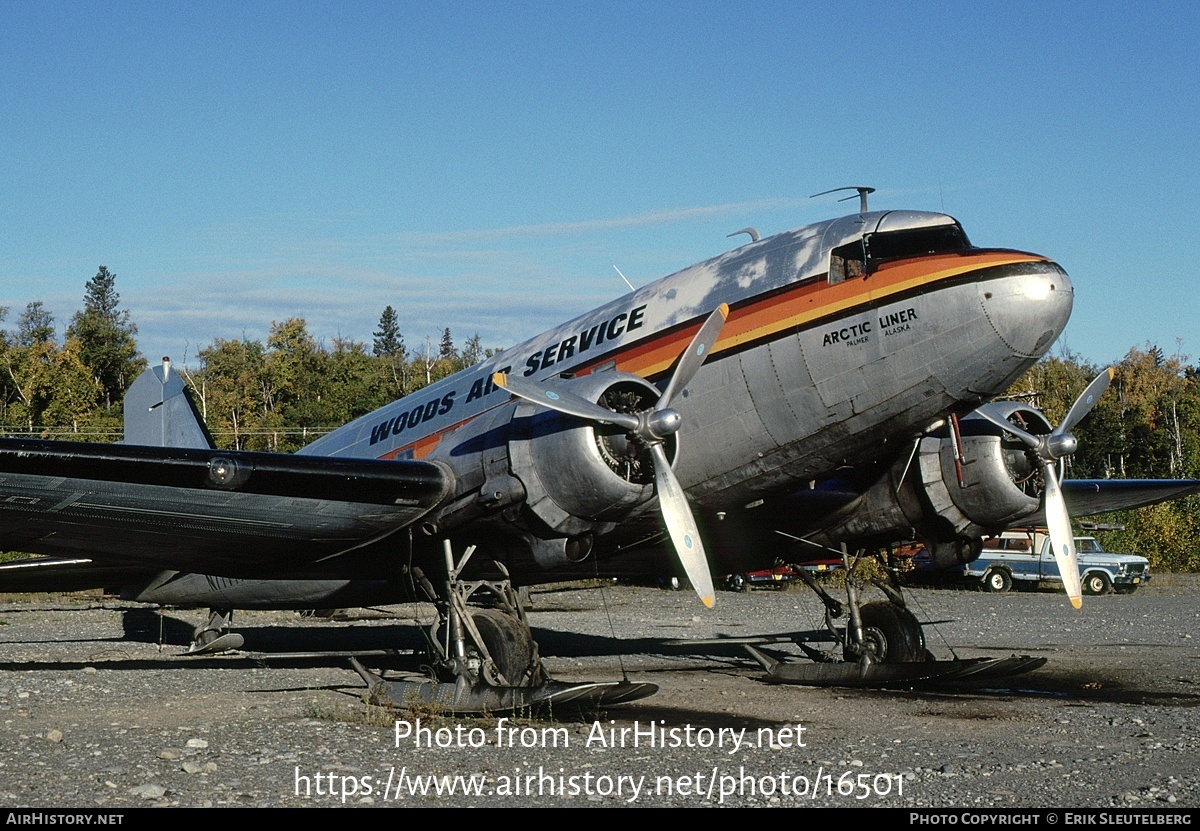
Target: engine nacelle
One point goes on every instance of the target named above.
(582, 478)
(999, 484)
(555, 481)
(951, 501)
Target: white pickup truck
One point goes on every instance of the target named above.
(1023, 557)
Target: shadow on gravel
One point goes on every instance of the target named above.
(1050, 682)
(148, 626)
(399, 646)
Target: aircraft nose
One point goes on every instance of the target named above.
(1030, 307)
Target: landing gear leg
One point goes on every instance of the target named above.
(485, 659)
(213, 635)
(882, 644)
(490, 645)
(882, 631)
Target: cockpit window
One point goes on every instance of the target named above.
(847, 262)
(915, 242)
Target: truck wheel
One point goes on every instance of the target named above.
(997, 580)
(739, 583)
(1096, 583)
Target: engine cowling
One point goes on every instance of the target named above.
(950, 500)
(999, 482)
(557, 481)
(581, 478)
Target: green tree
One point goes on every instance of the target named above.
(230, 381)
(446, 350)
(472, 353)
(388, 340)
(392, 354)
(1146, 425)
(107, 338)
(35, 325)
(354, 386)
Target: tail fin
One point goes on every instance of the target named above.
(160, 413)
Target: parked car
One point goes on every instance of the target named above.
(1024, 558)
(778, 577)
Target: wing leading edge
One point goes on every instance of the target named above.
(1097, 496)
(214, 511)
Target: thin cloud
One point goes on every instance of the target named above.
(590, 225)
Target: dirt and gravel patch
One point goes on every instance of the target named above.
(94, 712)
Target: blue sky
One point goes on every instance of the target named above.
(483, 166)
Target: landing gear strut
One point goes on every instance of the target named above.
(485, 658)
(490, 645)
(213, 636)
(881, 644)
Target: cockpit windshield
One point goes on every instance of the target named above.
(915, 242)
(863, 256)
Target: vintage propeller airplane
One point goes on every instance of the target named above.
(821, 388)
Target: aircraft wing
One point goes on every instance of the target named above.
(1096, 496)
(237, 514)
(59, 574)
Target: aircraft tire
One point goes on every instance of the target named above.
(510, 644)
(1096, 583)
(891, 634)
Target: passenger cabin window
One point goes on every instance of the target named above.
(916, 242)
(847, 262)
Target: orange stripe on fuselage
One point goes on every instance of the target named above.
(803, 303)
(772, 313)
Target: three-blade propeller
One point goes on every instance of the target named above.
(1049, 449)
(649, 427)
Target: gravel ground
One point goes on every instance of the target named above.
(94, 713)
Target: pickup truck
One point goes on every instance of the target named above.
(1024, 558)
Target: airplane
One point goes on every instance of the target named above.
(825, 388)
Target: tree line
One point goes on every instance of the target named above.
(1147, 425)
(278, 395)
(281, 394)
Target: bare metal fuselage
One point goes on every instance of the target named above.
(807, 376)
(820, 369)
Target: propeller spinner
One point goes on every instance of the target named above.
(649, 427)
(1049, 449)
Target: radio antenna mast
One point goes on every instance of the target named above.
(862, 195)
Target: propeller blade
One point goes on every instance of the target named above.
(1086, 400)
(1031, 441)
(696, 354)
(1058, 445)
(563, 401)
(1062, 540)
(681, 525)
